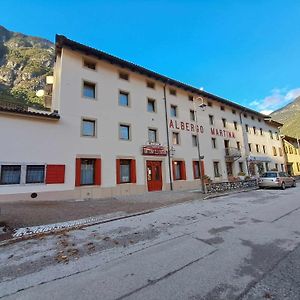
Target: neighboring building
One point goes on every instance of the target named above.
(117, 128)
(292, 154)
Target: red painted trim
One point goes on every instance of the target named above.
(55, 174)
(202, 168)
(118, 174)
(133, 170)
(98, 171)
(174, 170)
(78, 172)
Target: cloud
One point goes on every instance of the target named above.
(277, 99)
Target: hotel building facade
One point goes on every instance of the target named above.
(116, 128)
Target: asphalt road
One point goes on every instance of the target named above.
(242, 246)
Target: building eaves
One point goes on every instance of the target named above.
(51, 116)
(62, 41)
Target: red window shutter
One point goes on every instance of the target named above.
(183, 171)
(55, 174)
(118, 175)
(202, 168)
(174, 170)
(78, 172)
(133, 170)
(98, 171)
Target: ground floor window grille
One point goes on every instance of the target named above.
(87, 172)
(10, 174)
(35, 174)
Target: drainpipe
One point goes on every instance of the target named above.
(168, 138)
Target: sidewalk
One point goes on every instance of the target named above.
(24, 214)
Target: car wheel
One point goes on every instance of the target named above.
(294, 184)
(283, 186)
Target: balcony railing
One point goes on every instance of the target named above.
(232, 154)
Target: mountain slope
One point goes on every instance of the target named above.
(25, 61)
(289, 115)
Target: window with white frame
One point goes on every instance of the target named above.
(152, 135)
(35, 174)
(175, 138)
(124, 132)
(89, 90)
(10, 174)
(123, 98)
(88, 128)
(173, 111)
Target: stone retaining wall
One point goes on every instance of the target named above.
(228, 186)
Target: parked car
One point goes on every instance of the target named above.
(276, 179)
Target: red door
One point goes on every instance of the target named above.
(154, 177)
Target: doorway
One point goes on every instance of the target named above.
(154, 175)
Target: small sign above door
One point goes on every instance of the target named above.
(154, 150)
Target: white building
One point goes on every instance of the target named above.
(109, 129)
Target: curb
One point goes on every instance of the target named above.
(48, 229)
(36, 231)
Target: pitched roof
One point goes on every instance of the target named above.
(62, 41)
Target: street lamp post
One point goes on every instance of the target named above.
(202, 106)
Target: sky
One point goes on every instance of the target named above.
(246, 51)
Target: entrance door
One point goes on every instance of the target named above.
(154, 176)
(229, 169)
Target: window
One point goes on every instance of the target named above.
(250, 147)
(245, 116)
(194, 140)
(191, 98)
(126, 171)
(124, 132)
(241, 167)
(238, 145)
(259, 120)
(173, 111)
(247, 128)
(280, 152)
(252, 118)
(192, 115)
(298, 167)
(89, 90)
(196, 168)
(10, 174)
(264, 149)
(123, 75)
(150, 84)
(257, 148)
(88, 127)
(274, 151)
(211, 120)
(172, 92)
(282, 167)
(209, 103)
(35, 174)
(254, 129)
(152, 135)
(217, 169)
(276, 167)
(234, 111)
(235, 125)
(179, 172)
(267, 166)
(214, 142)
(261, 131)
(271, 134)
(87, 172)
(89, 64)
(175, 138)
(277, 136)
(222, 107)
(224, 122)
(123, 98)
(151, 105)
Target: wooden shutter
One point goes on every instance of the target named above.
(78, 172)
(118, 175)
(133, 170)
(173, 170)
(55, 174)
(98, 171)
(202, 168)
